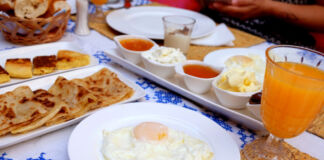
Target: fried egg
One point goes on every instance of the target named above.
(152, 141)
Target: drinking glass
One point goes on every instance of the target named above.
(177, 31)
(292, 96)
(98, 16)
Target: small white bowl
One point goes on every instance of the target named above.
(254, 109)
(160, 69)
(196, 84)
(132, 56)
(233, 100)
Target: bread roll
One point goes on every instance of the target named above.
(57, 6)
(239, 60)
(31, 8)
(6, 5)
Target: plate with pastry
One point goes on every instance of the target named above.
(150, 131)
(32, 62)
(44, 105)
(244, 56)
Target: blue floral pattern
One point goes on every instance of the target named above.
(102, 58)
(3, 157)
(41, 157)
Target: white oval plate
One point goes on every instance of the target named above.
(217, 58)
(86, 138)
(147, 21)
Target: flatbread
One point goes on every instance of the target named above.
(50, 103)
(106, 86)
(17, 108)
(78, 99)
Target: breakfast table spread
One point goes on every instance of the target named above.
(53, 145)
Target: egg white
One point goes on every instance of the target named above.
(122, 145)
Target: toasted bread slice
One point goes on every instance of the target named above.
(19, 68)
(70, 59)
(106, 86)
(56, 6)
(31, 8)
(44, 64)
(6, 5)
(4, 76)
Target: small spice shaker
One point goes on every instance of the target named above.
(82, 27)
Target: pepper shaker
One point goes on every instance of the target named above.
(82, 27)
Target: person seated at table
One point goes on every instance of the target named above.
(281, 22)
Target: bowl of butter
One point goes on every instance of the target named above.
(241, 78)
(162, 60)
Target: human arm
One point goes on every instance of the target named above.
(307, 16)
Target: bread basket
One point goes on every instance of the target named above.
(34, 31)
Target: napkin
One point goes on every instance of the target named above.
(221, 36)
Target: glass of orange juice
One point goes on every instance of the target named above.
(98, 16)
(292, 96)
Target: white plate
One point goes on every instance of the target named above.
(45, 83)
(147, 21)
(217, 58)
(207, 100)
(40, 50)
(85, 140)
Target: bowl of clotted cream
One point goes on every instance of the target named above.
(241, 78)
(162, 60)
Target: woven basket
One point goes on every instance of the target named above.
(34, 31)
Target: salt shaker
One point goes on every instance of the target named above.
(82, 27)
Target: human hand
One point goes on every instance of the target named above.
(243, 9)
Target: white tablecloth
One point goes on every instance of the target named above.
(53, 146)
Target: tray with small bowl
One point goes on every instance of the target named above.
(174, 80)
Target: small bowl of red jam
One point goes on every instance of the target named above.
(131, 46)
(197, 75)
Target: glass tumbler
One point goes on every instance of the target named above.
(177, 31)
(292, 96)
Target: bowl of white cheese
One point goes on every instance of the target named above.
(162, 60)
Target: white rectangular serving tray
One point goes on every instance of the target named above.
(45, 83)
(208, 100)
(40, 50)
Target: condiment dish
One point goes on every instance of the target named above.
(233, 100)
(254, 109)
(163, 70)
(193, 83)
(132, 55)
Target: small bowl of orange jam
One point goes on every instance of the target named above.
(197, 75)
(131, 46)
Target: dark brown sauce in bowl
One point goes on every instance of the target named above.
(200, 71)
(136, 44)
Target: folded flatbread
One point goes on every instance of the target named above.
(78, 99)
(106, 86)
(21, 110)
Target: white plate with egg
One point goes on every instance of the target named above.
(217, 58)
(86, 140)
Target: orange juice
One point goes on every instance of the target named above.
(99, 2)
(291, 99)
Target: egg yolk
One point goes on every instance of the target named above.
(151, 131)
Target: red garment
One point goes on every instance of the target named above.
(186, 4)
(319, 37)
